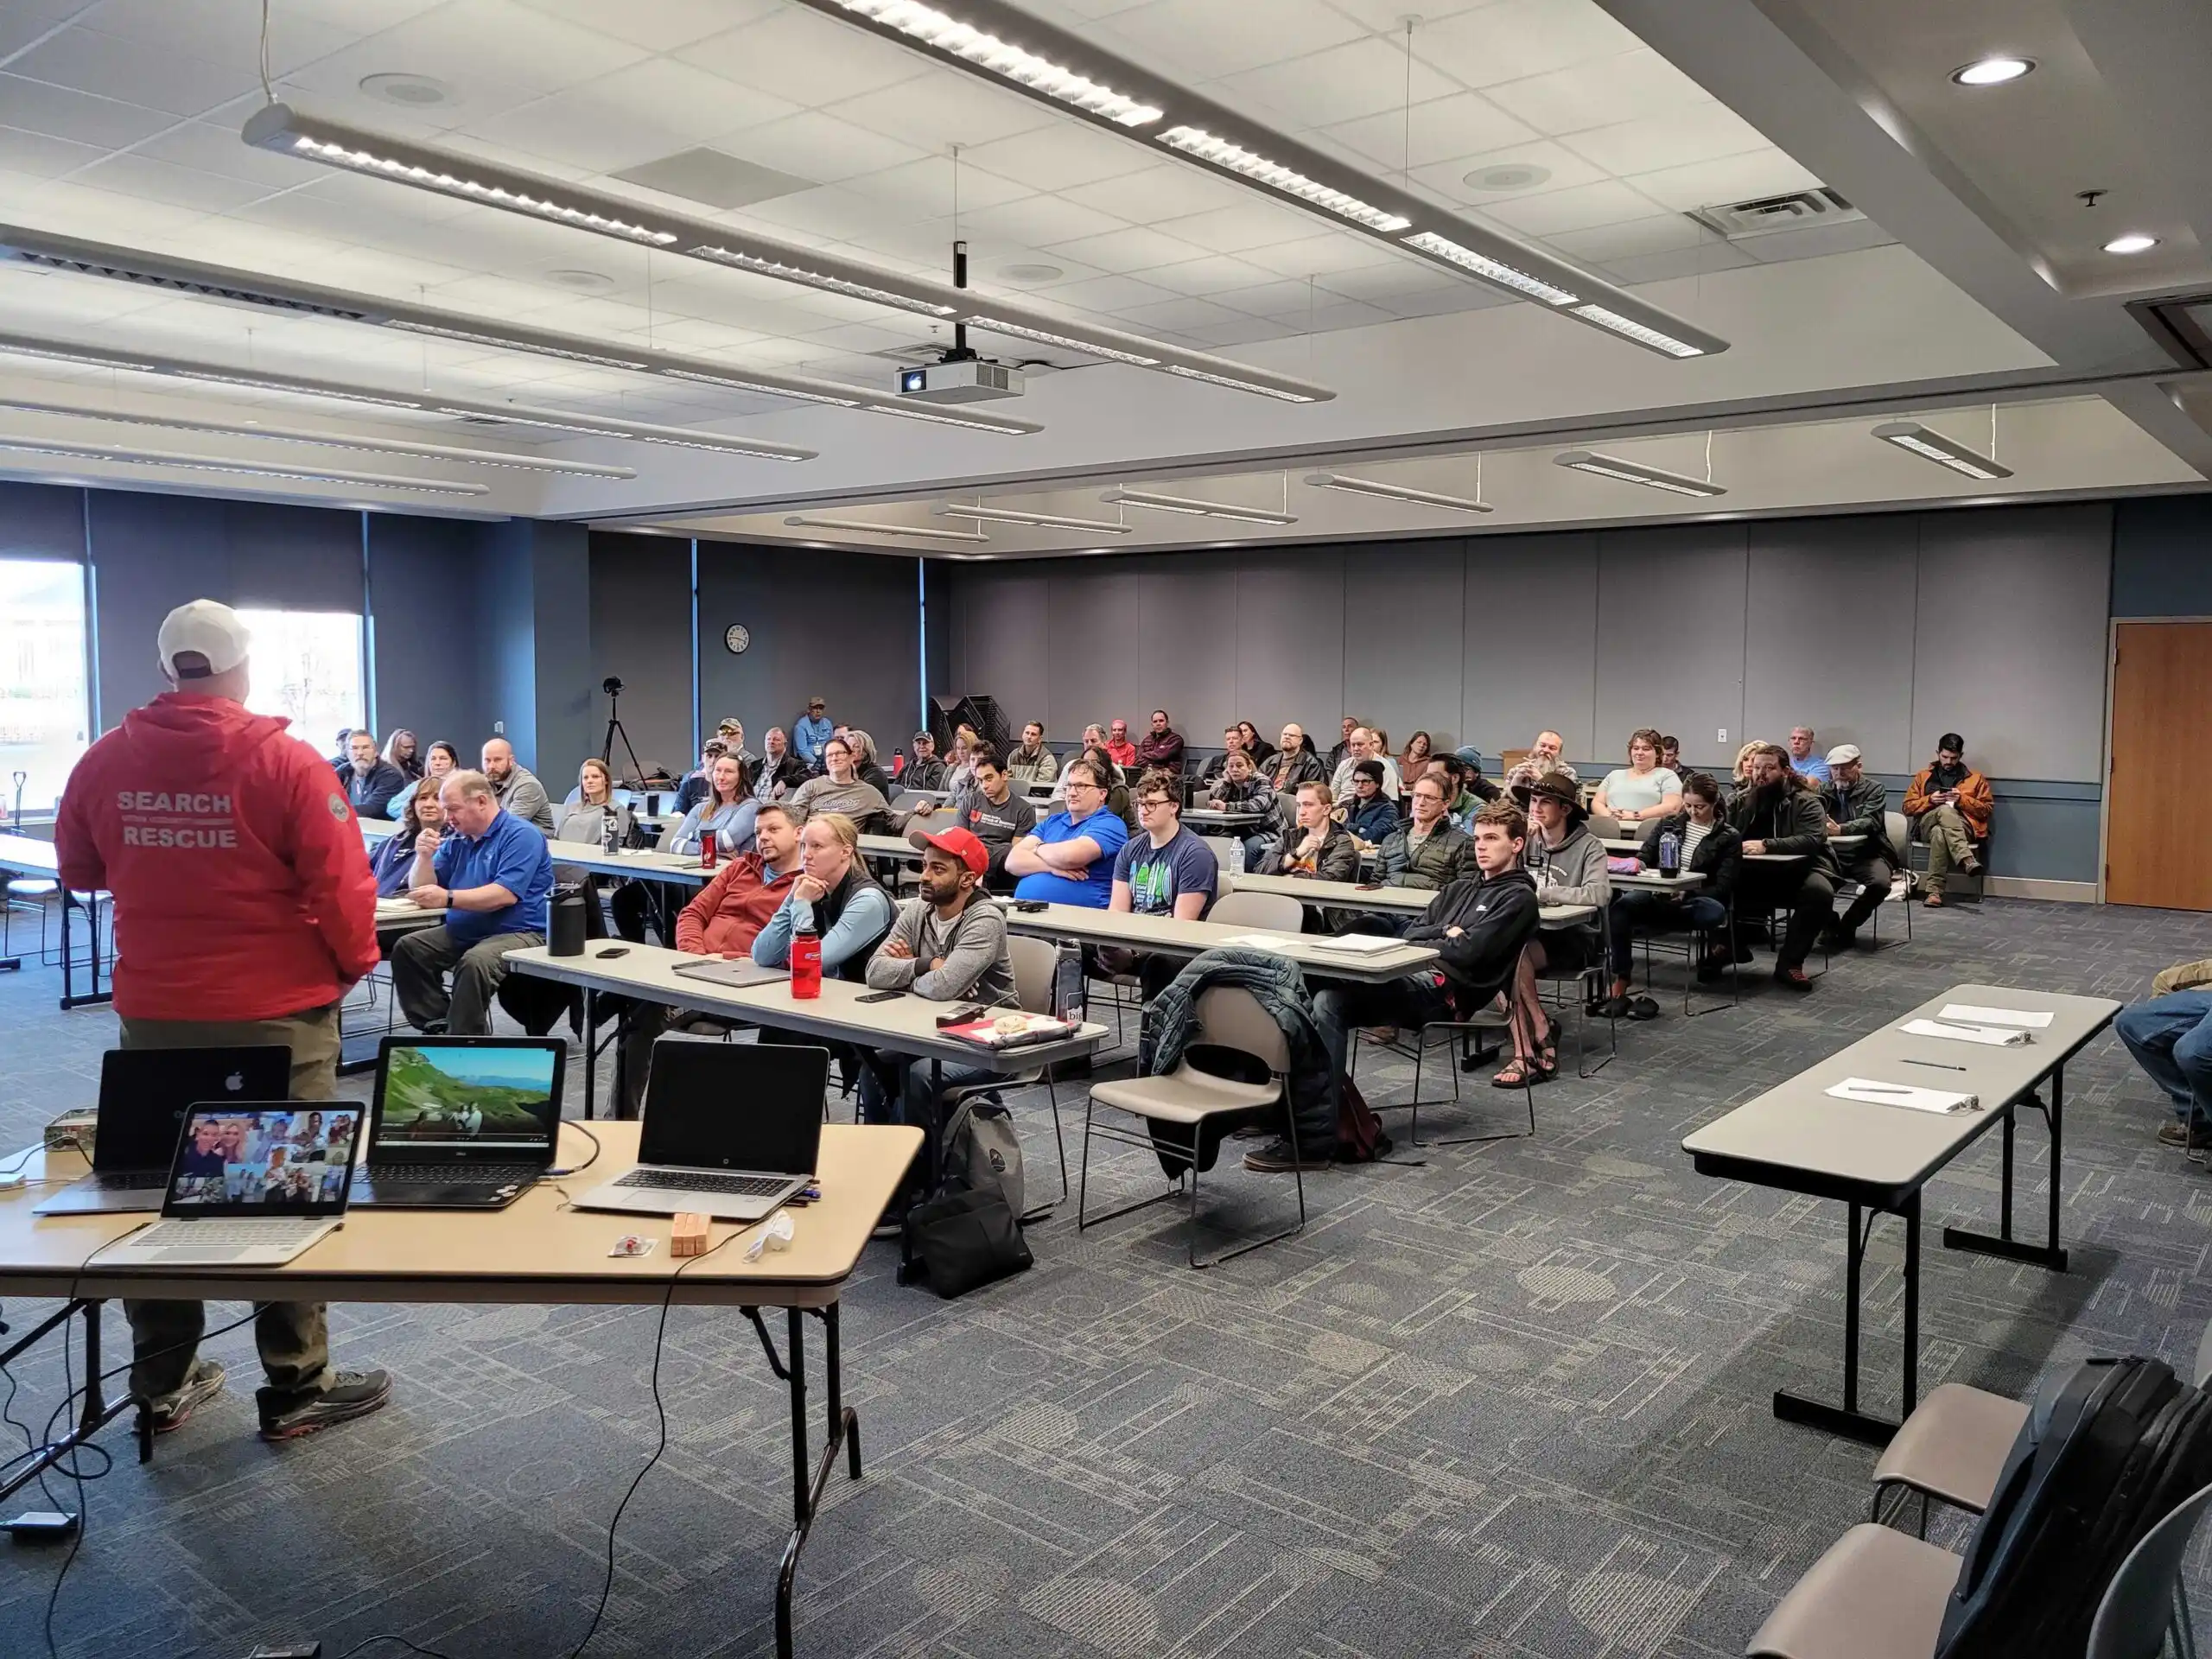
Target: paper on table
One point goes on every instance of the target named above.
(1362, 943)
(1970, 1013)
(1899, 1094)
(1988, 1036)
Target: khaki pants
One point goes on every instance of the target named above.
(420, 962)
(293, 1341)
(1949, 842)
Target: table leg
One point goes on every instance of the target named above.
(1848, 1420)
(2050, 1255)
(97, 1412)
(808, 1484)
(591, 1051)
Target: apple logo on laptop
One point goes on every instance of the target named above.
(235, 1082)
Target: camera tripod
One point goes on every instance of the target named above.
(635, 777)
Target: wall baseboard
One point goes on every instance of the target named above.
(2029, 886)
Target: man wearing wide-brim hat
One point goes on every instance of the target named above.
(1568, 866)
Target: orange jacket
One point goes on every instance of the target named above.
(1975, 802)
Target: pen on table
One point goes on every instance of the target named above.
(1935, 1066)
(1884, 1089)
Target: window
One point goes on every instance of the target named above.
(307, 667)
(44, 712)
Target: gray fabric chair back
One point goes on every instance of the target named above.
(2138, 1605)
(1277, 912)
(1232, 1016)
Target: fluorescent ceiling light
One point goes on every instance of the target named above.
(285, 131)
(2132, 242)
(1632, 472)
(674, 437)
(1915, 439)
(1492, 270)
(1040, 520)
(1394, 491)
(1238, 383)
(971, 45)
(1630, 328)
(862, 526)
(325, 439)
(1160, 502)
(1046, 337)
(485, 337)
(1992, 72)
(222, 464)
(946, 417)
(1195, 141)
(738, 380)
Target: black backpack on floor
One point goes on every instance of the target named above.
(967, 1232)
(2098, 1464)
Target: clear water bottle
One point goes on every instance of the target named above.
(609, 832)
(1670, 855)
(1236, 856)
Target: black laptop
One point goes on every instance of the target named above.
(461, 1122)
(144, 1095)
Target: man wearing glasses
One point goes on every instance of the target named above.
(1069, 858)
(1163, 871)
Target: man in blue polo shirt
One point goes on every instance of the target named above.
(491, 873)
(1069, 858)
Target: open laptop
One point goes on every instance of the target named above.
(730, 1130)
(461, 1122)
(144, 1095)
(249, 1186)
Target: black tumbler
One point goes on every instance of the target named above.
(566, 936)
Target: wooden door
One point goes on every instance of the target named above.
(2155, 840)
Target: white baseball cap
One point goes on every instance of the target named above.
(211, 629)
(1843, 754)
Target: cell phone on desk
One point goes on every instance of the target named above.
(1031, 907)
(1370, 887)
(880, 996)
(960, 1016)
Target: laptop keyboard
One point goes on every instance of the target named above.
(451, 1175)
(733, 1186)
(127, 1180)
(221, 1235)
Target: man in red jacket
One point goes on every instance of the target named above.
(244, 910)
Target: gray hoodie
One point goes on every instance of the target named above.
(976, 966)
(520, 793)
(1573, 872)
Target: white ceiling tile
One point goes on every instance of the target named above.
(1204, 40)
(687, 100)
(1034, 222)
(994, 274)
(1517, 38)
(42, 157)
(1338, 84)
(100, 217)
(1609, 202)
(924, 189)
(862, 338)
(1386, 285)
(659, 25)
(1165, 190)
(1663, 233)
(1250, 224)
(805, 57)
(1213, 275)
(1684, 262)
(133, 174)
(530, 47)
(1317, 255)
(1698, 132)
(1175, 316)
(1734, 178)
(941, 107)
(152, 76)
(1101, 294)
(1061, 157)
(368, 202)
(1244, 331)
(1462, 124)
(1626, 87)
(1563, 168)
(1132, 248)
(1348, 313)
(1445, 301)
(829, 211)
(209, 148)
(24, 21)
(1289, 301)
(574, 129)
(61, 112)
(815, 145)
(220, 31)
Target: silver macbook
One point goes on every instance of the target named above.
(144, 1095)
(731, 1130)
(738, 972)
(249, 1186)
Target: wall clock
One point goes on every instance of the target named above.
(736, 638)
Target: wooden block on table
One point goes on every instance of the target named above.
(688, 1235)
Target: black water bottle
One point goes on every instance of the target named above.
(566, 934)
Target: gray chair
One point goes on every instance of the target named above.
(1033, 962)
(1197, 1102)
(1950, 1450)
(1875, 1594)
(1276, 912)
(1456, 1033)
(2145, 1601)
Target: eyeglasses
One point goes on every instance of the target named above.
(1151, 801)
(1096, 788)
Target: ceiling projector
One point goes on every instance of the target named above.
(961, 380)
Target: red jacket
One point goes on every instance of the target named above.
(242, 887)
(733, 908)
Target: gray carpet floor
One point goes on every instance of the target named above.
(1515, 1401)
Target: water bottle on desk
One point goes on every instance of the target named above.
(807, 962)
(1670, 855)
(608, 833)
(711, 848)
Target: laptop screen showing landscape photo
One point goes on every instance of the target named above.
(295, 1160)
(493, 1097)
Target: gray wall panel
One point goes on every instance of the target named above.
(1093, 616)
(1002, 647)
(428, 655)
(1289, 640)
(1531, 628)
(1670, 632)
(641, 634)
(1188, 651)
(1406, 640)
(1829, 634)
(2011, 643)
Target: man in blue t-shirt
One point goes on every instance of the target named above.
(1163, 870)
(1069, 858)
(492, 874)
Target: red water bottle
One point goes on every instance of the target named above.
(806, 961)
(710, 849)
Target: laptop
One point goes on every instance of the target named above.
(730, 1130)
(461, 1122)
(738, 973)
(249, 1186)
(144, 1094)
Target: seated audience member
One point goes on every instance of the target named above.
(1232, 742)
(491, 873)
(1342, 747)
(392, 863)
(1094, 743)
(728, 813)
(836, 896)
(1033, 766)
(925, 771)
(732, 733)
(1160, 749)
(1740, 777)
(1802, 759)
(2170, 1034)
(698, 785)
(722, 920)
(987, 809)
(867, 766)
(402, 750)
(1858, 805)
(1419, 752)
(1427, 850)
(440, 761)
(1777, 811)
(1163, 870)
(1478, 926)
(1364, 747)
(1567, 864)
(1369, 815)
(1949, 804)
(1241, 789)
(518, 790)
(1670, 754)
(1543, 757)
(370, 780)
(841, 790)
(1314, 844)
(810, 731)
(1119, 801)
(1708, 847)
(1069, 858)
(1295, 763)
(1643, 789)
(344, 756)
(782, 772)
(586, 816)
(1258, 747)
(959, 768)
(1119, 749)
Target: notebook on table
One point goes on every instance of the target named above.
(144, 1095)
(461, 1122)
(249, 1186)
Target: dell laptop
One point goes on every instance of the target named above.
(730, 1130)
(461, 1122)
(144, 1095)
(249, 1186)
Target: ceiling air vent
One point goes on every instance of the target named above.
(1763, 215)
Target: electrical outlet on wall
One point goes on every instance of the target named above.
(1720, 736)
(499, 728)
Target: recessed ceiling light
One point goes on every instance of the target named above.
(411, 92)
(1517, 175)
(1992, 72)
(1033, 275)
(2134, 242)
(583, 282)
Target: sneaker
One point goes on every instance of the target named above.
(286, 1416)
(1274, 1158)
(1792, 979)
(201, 1383)
(2174, 1134)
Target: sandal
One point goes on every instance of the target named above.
(1517, 1073)
(1548, 1053)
